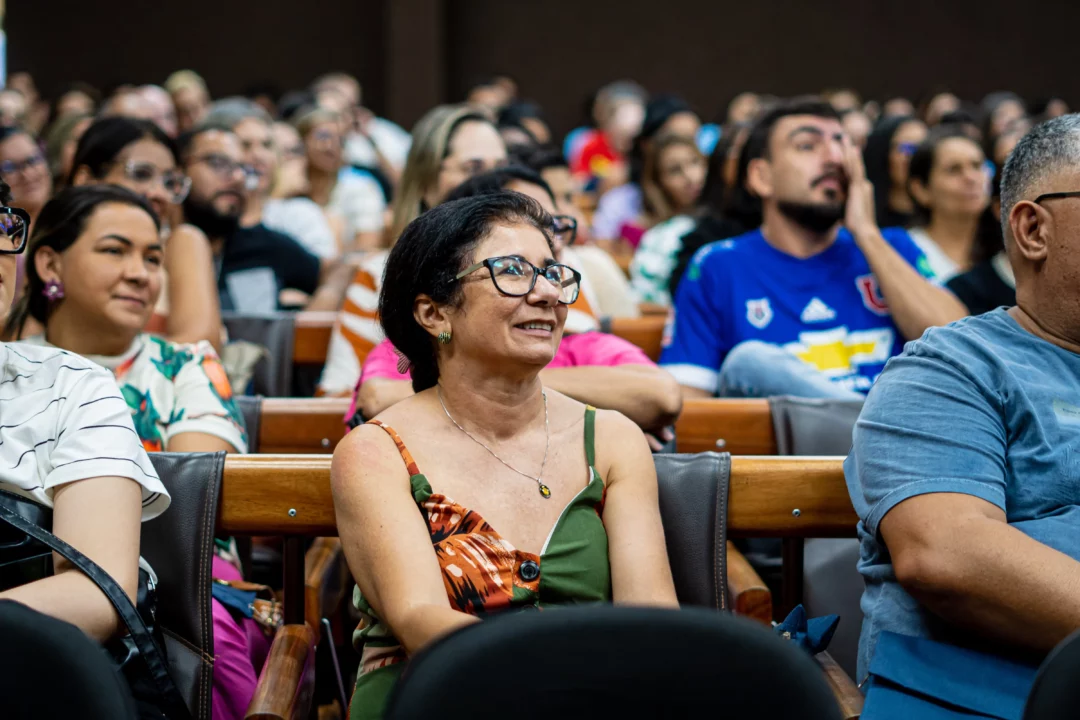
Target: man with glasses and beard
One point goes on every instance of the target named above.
(815, 301)
(256, 266)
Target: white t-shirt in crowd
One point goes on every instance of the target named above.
(943, 266)
(359, 199)
(62, 419)
(393, 142)
(303, 220)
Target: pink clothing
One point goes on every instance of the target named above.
(590, 349)
(238, 646)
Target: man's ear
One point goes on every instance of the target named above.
(431, 316)
(1031, 226)
(49, 264)
(759, 177)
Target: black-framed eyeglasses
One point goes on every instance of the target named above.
(565, 227)
(14, 230)
(176, 183)
(224, 167)
(12, 167)
(516, 277)
(1054, 196)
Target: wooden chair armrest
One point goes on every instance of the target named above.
(847, 693)
(324, 581)
(286, 686)
(749, 595)
(647, 308)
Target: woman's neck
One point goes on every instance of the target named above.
(900, 201)
(320, 186)
(955, 235)
(491, 406)
(85, 338)
(253, 210)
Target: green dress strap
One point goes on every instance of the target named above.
(590, 435)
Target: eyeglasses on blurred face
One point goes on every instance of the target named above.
(14, 230)
(516, 277)
(565, 228)
(145, 175)
(15, 167)
(223, 166)
(907, 148)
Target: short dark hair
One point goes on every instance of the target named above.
(187, 139)
(5, 193)
(757, 142)
(431, 251)
(544, 158)
(741, 202)
(106, 138)
(495, 181)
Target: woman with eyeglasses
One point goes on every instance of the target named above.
(94, 273)
(354, 195)
(137, 155)
(486, 492)
(595, 368)
(24, 169)
(450, 144)
(888, 152)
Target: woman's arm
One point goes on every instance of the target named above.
(99, 517)
(198, 442)
(640, 574)
(386, 540)
(194, 313)
(378, 393)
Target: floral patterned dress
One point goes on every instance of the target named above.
(173, 388)
(484, 574)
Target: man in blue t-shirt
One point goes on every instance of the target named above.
(815, 301)
(964, 471)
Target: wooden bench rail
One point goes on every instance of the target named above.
(744, 426)
(311, 335)
(301, 425)
(770, 497)
(315, 425)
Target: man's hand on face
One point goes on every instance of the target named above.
(859, 215)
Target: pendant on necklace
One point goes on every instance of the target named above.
(545, 491)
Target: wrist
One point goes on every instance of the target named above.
(864, 231)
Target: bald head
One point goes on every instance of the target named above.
(1046, 152)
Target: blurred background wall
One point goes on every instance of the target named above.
(411, 54)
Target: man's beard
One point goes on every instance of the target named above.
(815, 217)
(209, 219)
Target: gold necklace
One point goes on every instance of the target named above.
(545, 491)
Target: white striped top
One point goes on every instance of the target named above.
(62, 419)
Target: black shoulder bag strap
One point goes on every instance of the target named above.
(170, 703)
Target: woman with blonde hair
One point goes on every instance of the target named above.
(450, 144)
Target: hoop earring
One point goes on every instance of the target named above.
(53, 290)
(444, 337)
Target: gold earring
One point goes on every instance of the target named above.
(444, 337)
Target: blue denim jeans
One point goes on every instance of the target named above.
(757, 369)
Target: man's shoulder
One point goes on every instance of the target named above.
(722, 257)
(977, 344)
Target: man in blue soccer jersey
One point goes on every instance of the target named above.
(815, 301)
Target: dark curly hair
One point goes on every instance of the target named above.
(432, 249)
